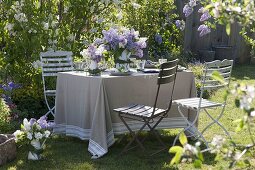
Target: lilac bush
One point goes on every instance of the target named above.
(7, 91)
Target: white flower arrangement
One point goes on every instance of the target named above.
(35, 133)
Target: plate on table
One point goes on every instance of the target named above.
(150, 70)
(180, 68)
(121, 73)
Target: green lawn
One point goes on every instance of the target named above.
(71, 153)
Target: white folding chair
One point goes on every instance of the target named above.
(207, 83)
(53, 62)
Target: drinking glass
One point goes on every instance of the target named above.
(140, 64)
(162, 60)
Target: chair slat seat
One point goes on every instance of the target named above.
(139, 110)
(193, 103)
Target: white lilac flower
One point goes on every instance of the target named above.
(66, 9)
(136, 5)
(251, 91)
(70, 37)
(37, 64)
(36, 144)
(20, 17)
(197, 144)
(119, 15)
(9, 27)
(201, 10)
(190, 150)
(38, 135)
(26, 125)
(17, 134)
(38, 127)
(217, 143)
(45, 25)
(53, 24)
(47, 133)
(244, 103)
(29, 136)
(253, 113)
(192, 3)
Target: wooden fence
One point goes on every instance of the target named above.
(234, 45)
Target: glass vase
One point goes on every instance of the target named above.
(122, 63)
(33, 156)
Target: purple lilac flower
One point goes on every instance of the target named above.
(98, 41)
(32, 121)
(201, 10)
(139, 53)
(187, 10)
(204, 29)
(122, 41)
(43, 122)
(10, 86)
(158, 39)
(141, 43)
(180, 24)
(205, 16)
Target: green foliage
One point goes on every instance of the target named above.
(197, 69)
(155, 18)
(4, 116)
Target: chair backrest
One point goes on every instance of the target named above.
(167, 75)
(224, 68)
(53, 62)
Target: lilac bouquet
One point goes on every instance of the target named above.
(34, 132)
(117, 40)
(118, 43)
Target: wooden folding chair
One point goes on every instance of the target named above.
(208, 83)
(149, 114)
(52, 63)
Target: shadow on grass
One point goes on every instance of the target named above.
(239, 70)
(72, 153)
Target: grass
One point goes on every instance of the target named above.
(71, 153)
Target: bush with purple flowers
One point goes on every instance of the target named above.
(7, 91)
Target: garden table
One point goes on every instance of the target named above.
(84, 104)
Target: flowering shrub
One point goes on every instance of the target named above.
(35, 133)
(7, 91)
(156, 21)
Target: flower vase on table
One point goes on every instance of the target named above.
(122, 63)
(117, 43)
(93, 68)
